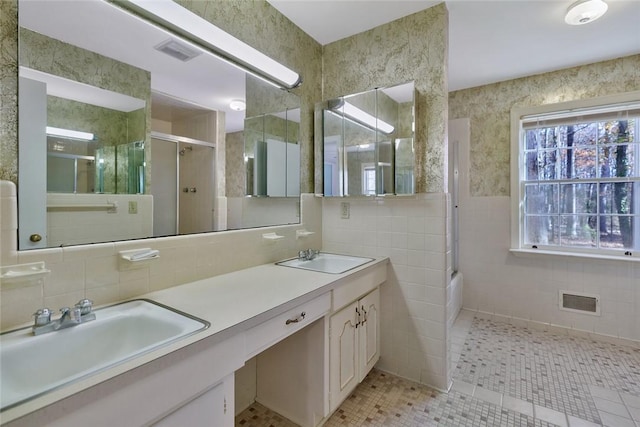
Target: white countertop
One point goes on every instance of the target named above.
(231, 303)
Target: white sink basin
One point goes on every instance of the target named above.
(327, 263)
(32, 365)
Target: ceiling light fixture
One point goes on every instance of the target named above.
(585, 11)
(68, 133)
(170, 15)
(238, 105)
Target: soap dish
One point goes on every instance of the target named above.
(27, 274)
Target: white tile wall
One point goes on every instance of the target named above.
(527, 289)
(81, 226)
(244, 212)
(94, 271)
(412, 232)
(8, 223)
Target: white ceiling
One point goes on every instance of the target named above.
(489, 41)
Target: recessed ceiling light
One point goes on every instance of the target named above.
(238, 105)
(585, 11)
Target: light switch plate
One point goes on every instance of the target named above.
(345, 210)
(133, 207)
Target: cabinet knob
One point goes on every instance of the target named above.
(35, 238)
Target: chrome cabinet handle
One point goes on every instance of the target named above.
(297, 319)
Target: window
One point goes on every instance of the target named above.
(368, 179)
(578, 177)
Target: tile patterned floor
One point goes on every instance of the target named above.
(504, 376)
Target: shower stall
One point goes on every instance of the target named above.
(182, 184)
(80, 167)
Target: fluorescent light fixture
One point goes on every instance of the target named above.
(68, 133)
(363, 146)
(359, 116)
(186, 23)
(366, 118)
(585, 11)
(238, 105)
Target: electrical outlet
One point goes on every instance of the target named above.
(133, 207)
(345, 210)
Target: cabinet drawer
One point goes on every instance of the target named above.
(273, 330)
(354, 289)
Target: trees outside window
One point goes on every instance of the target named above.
(580, 181)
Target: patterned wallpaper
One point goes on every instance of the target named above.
(9, 90)
(489, 108)
(109, 126)
(62, 59)
(264, 98)
(410, 48)
(235, 164)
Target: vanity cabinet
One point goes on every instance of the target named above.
(354, 342)
(214, 407)
(311, 351)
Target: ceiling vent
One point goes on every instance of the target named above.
(178, 50)
(579, 302)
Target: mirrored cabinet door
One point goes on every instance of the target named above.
(368, 143)
(272, 154)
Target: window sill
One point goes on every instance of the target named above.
(533, 253)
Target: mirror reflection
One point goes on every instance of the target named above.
(128, 132)
(368, 143)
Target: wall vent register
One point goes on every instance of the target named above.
(578, 302)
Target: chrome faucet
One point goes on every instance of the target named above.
(307, 254)
(81, 313)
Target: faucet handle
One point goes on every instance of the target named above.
(42, 317)
(85, 306)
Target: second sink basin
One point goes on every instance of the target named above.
(33, 365)
(327, 263)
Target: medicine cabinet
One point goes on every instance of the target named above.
(368, 142)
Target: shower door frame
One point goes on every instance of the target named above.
(177, 140)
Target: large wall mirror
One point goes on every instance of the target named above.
(368, 142)
(126, 131)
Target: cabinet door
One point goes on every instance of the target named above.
(343, 363)
(369, 332)
(211, 408)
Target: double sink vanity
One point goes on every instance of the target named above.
(170, 358)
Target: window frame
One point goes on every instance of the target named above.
(518, 116)
(369, 167)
